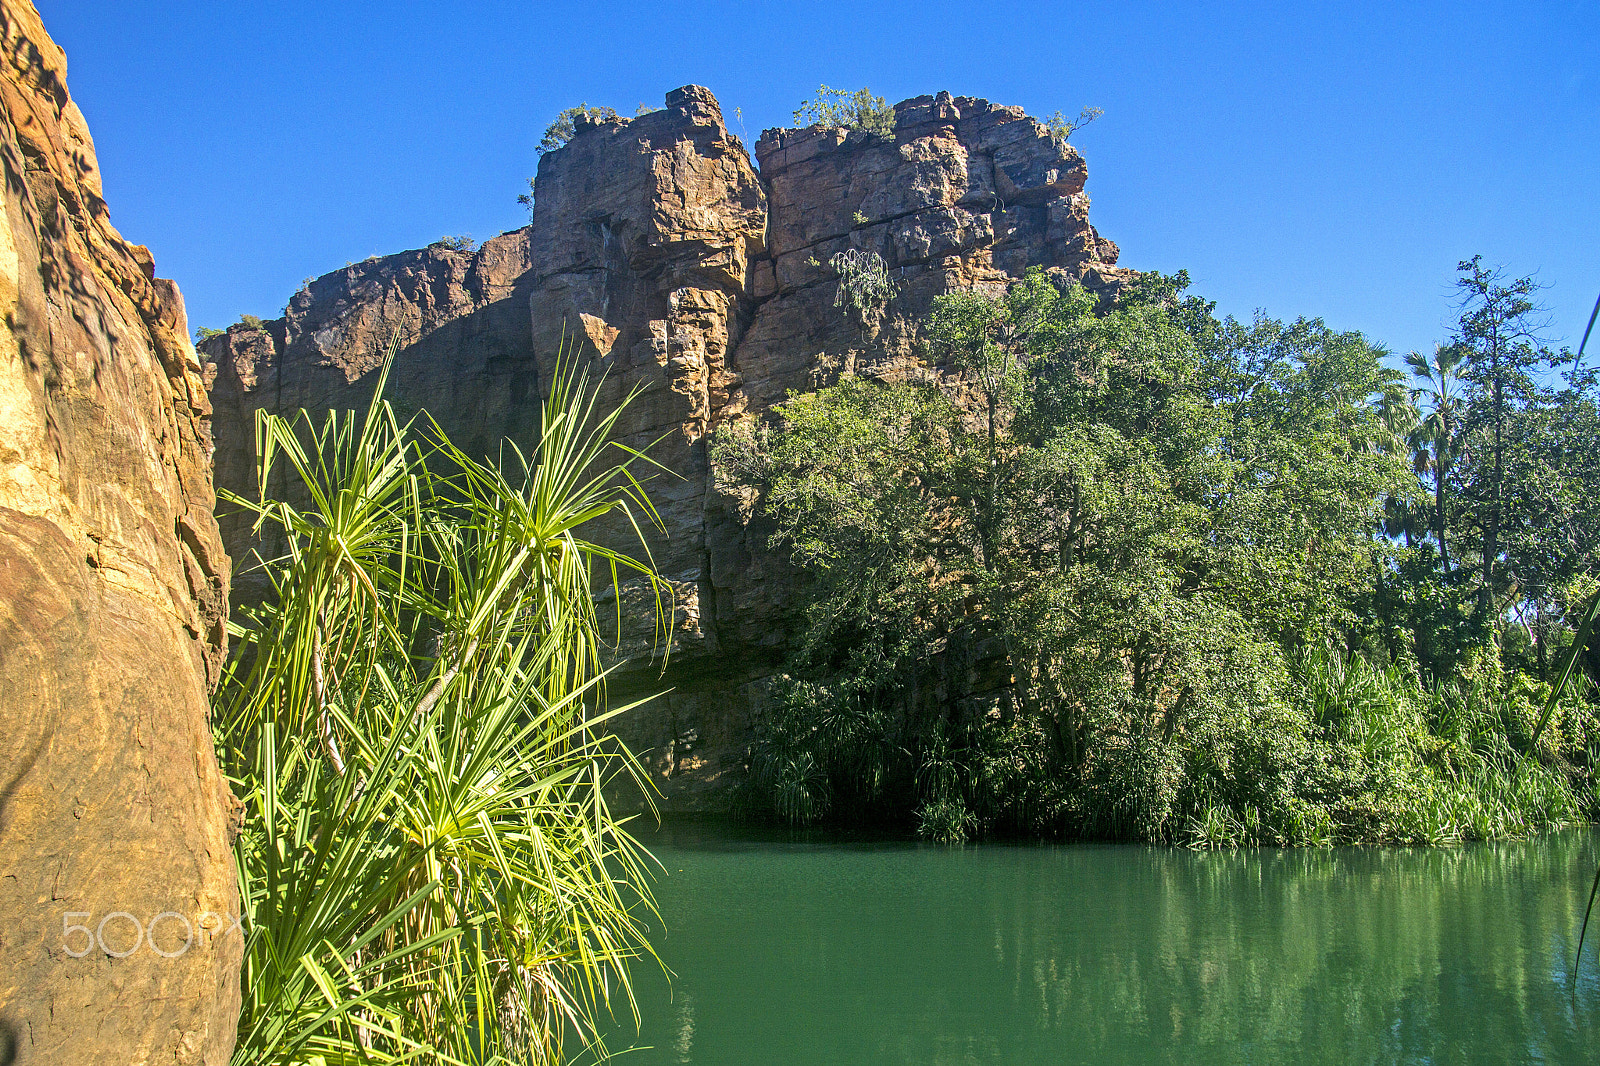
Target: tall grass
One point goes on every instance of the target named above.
(1393, 759)
(428, 865)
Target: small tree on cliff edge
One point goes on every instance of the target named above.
(561, 130)
(859, 110)
(1061, 127)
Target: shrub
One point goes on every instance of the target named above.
(859, 110)
(1060, 127)
(1020, 788)
(944, 821)
(460, 243)
(250, 322)
(865, 287)
(428, 866)
(1395, 760)
(562, 129)
(788, 763)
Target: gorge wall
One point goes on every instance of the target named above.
(683, 270)
(113, 587)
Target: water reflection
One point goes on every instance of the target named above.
(805, 953)
(683, 1037)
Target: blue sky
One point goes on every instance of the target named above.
(1330, 160)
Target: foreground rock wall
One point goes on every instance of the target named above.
(683, 271)
(113, 586)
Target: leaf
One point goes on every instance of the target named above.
(1580, 641)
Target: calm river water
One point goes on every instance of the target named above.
(790, 952)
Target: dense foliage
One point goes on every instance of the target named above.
(428, 866)
(1120, 569)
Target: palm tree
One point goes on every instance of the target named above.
(1398, 420)
(1436, 441)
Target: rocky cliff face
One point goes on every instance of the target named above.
(682, 269)
(462, 318)
(113, 585)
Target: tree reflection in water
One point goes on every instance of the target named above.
(796, 951)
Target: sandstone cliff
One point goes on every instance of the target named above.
(682, 269)
(113, 586)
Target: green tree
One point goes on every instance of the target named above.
(859, 110)
(1060, 127)
(1437, 386)
(1552, 488)
(1144, 510)
(1498, 334)
(562, 129)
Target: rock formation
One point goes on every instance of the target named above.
(684, 271)
(117, 888)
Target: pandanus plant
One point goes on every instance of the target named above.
(429, 867)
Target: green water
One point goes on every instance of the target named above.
(793, 953)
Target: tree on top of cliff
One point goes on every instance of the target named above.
(562, 129)
(1061, 127)
(858, 110)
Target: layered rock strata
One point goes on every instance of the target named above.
(117, 888)
(681, 270)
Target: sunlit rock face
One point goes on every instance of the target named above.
(117, 887)
(674, 266)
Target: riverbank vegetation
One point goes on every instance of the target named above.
(1115, 568)
(429, 869)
